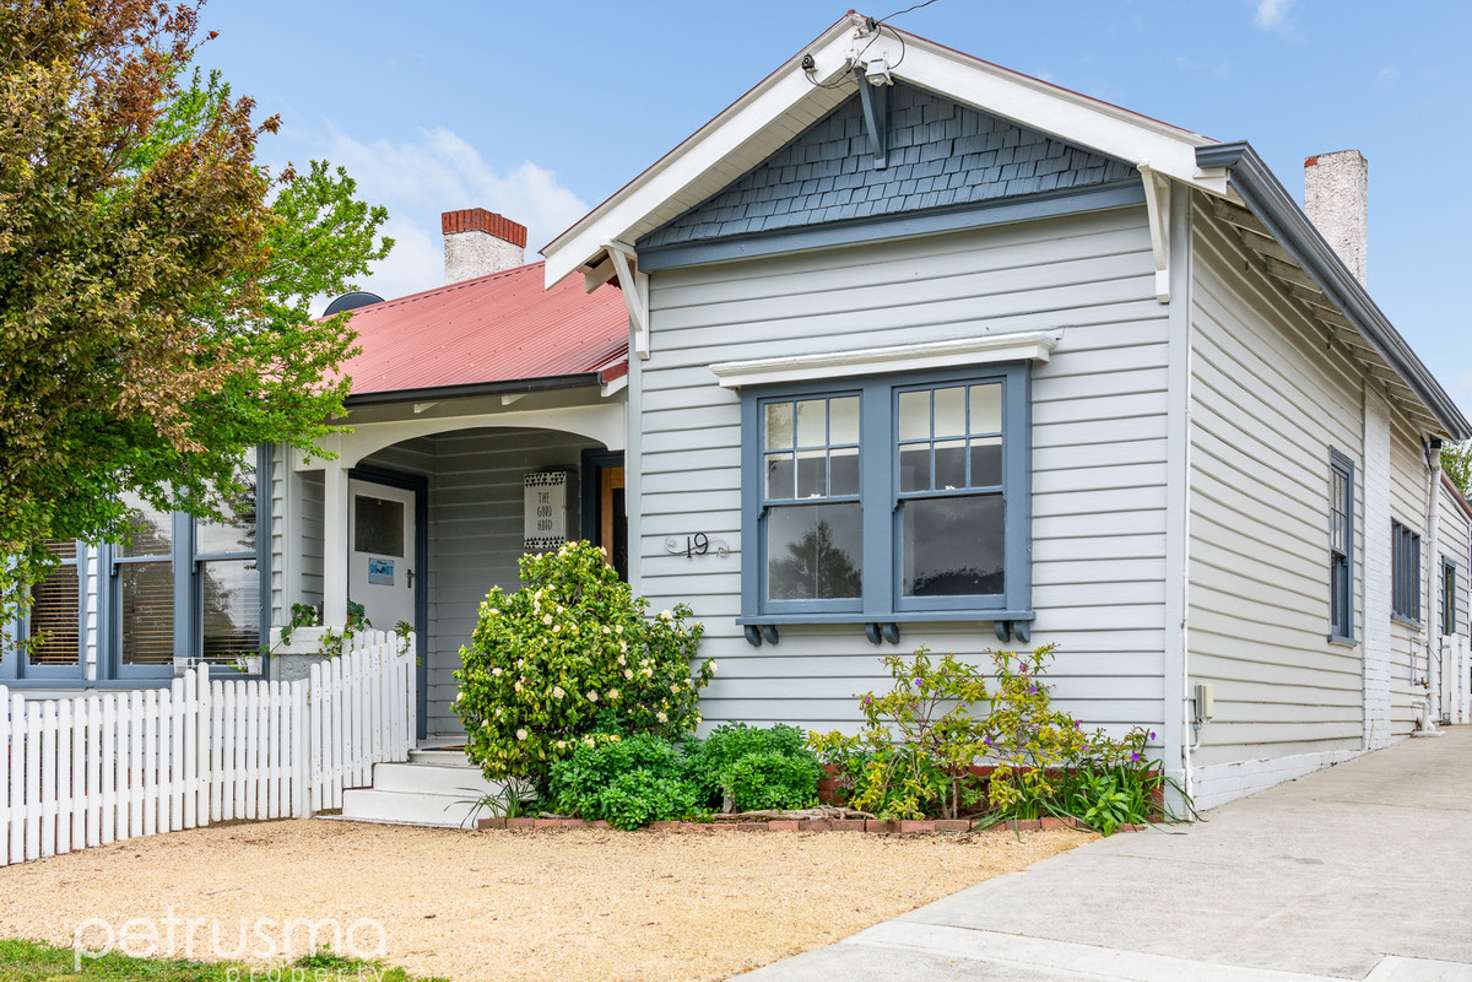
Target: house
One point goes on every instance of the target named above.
(930, 352)
(901, 348)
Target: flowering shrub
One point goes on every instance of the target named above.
(627, 783)
(753, 768)
(571, 660)
(912, 760)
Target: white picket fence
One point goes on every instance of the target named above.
(106, 767)
(1455, 683)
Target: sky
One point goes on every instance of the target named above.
(541, 110)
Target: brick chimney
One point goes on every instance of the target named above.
(1336, 197)
(478, 242)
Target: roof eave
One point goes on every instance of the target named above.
(1271, 203)
(548, 383)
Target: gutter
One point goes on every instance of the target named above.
(546, 384)
(1267, 199)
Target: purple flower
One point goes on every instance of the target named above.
(1135, 757)
(987, 741)
(917, 683)
(868, 700)
(1032, 690)
(1022, 667)
(1152, 734)
(1077, 725)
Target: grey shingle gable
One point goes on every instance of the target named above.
(941, 154)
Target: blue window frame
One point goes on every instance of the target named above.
(51, 631)
(1448, 596)
(1405, 567)
(1341, 547)
(884, 499)
(184, 587)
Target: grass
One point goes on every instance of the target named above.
(33, 961)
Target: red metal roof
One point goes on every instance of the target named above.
(499, 328)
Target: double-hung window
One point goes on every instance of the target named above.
(50, 632)
(885, 499)
(1448, 596)
(1405, 566)
(1341, 547)
(187, 587)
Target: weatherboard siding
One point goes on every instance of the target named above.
(1099, 450)
(1268, 402)
(1453, 544)
(1408, 667)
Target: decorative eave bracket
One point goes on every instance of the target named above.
(635, 287)
(874, 97)
(1157, 208)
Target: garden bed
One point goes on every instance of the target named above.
(938, 826)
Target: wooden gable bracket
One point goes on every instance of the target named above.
(875, 100)
(635, 288)
(1157, 207)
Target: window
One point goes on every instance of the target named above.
(887, 499)
(1341, 547)
(50, 632)
(187, 587)
(1405, 565)
(1448, 596)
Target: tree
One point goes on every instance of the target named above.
(1456, 460)
(155, 281)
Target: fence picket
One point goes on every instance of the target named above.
(83, 772)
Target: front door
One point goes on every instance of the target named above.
(613, 531)
(382, 563)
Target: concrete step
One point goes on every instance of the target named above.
(405, 808)
(460, 782)
(443, 758)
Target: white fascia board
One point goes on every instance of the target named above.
(982, 350)
(702, 150)
(1040, 105)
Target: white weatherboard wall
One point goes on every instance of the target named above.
(1099, 450)
(1376, 575)
(1455, 542)
(1408, 667)
(1268, 403)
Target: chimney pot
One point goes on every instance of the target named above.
(1336, 196)
(480, 242)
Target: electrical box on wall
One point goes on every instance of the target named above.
(1204, 702)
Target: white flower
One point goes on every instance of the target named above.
(613, 695)
(557, 692)
(516, 686)
(592, 696)
(496, 671)
(459, 695)
(662, 717)
(606, 629)
(675, 689)
(485, 724)
(561, 744)
(665, 615)
(628, 673)
(521, 734)
(621, 660)
(618, 629)
(556, 628)
(712, 664)
(624, 647)
(494, 612)
(547, 619)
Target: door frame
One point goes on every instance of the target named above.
(594, 463)
(419, 484)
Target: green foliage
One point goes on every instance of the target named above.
(35, 961)
(628, 783)
(570, 660)
(755, 768)
(772, 779)
(155, 281)
(1456, 460)
(913, 761)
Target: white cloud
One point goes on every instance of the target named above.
(1271, 14)
(416, 180)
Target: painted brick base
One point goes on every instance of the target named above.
(1217, 784)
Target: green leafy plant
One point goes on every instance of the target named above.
(302, 615)
(625, 782)
(770, 779)
(712, 760)
(570, 661)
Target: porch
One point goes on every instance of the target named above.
(428, 505)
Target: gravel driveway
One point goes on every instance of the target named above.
(584, 904)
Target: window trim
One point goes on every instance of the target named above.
(16, 667)
(188, 594)
(1448, 597)
(1342, 465)
(878, 495)
(1405, 572)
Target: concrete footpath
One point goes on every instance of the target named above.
(1361, 871)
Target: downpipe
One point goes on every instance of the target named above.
(1430, 624)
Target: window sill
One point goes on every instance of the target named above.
(1340, 641)
(1405, 621)
(878, 627)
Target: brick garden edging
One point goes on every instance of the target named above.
(927, 827)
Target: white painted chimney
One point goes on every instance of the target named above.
(1336, 197)
(478, 242)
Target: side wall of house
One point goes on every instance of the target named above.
(1098, 460)
(1454, 544)
(1269, 402)
(1408, 665)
